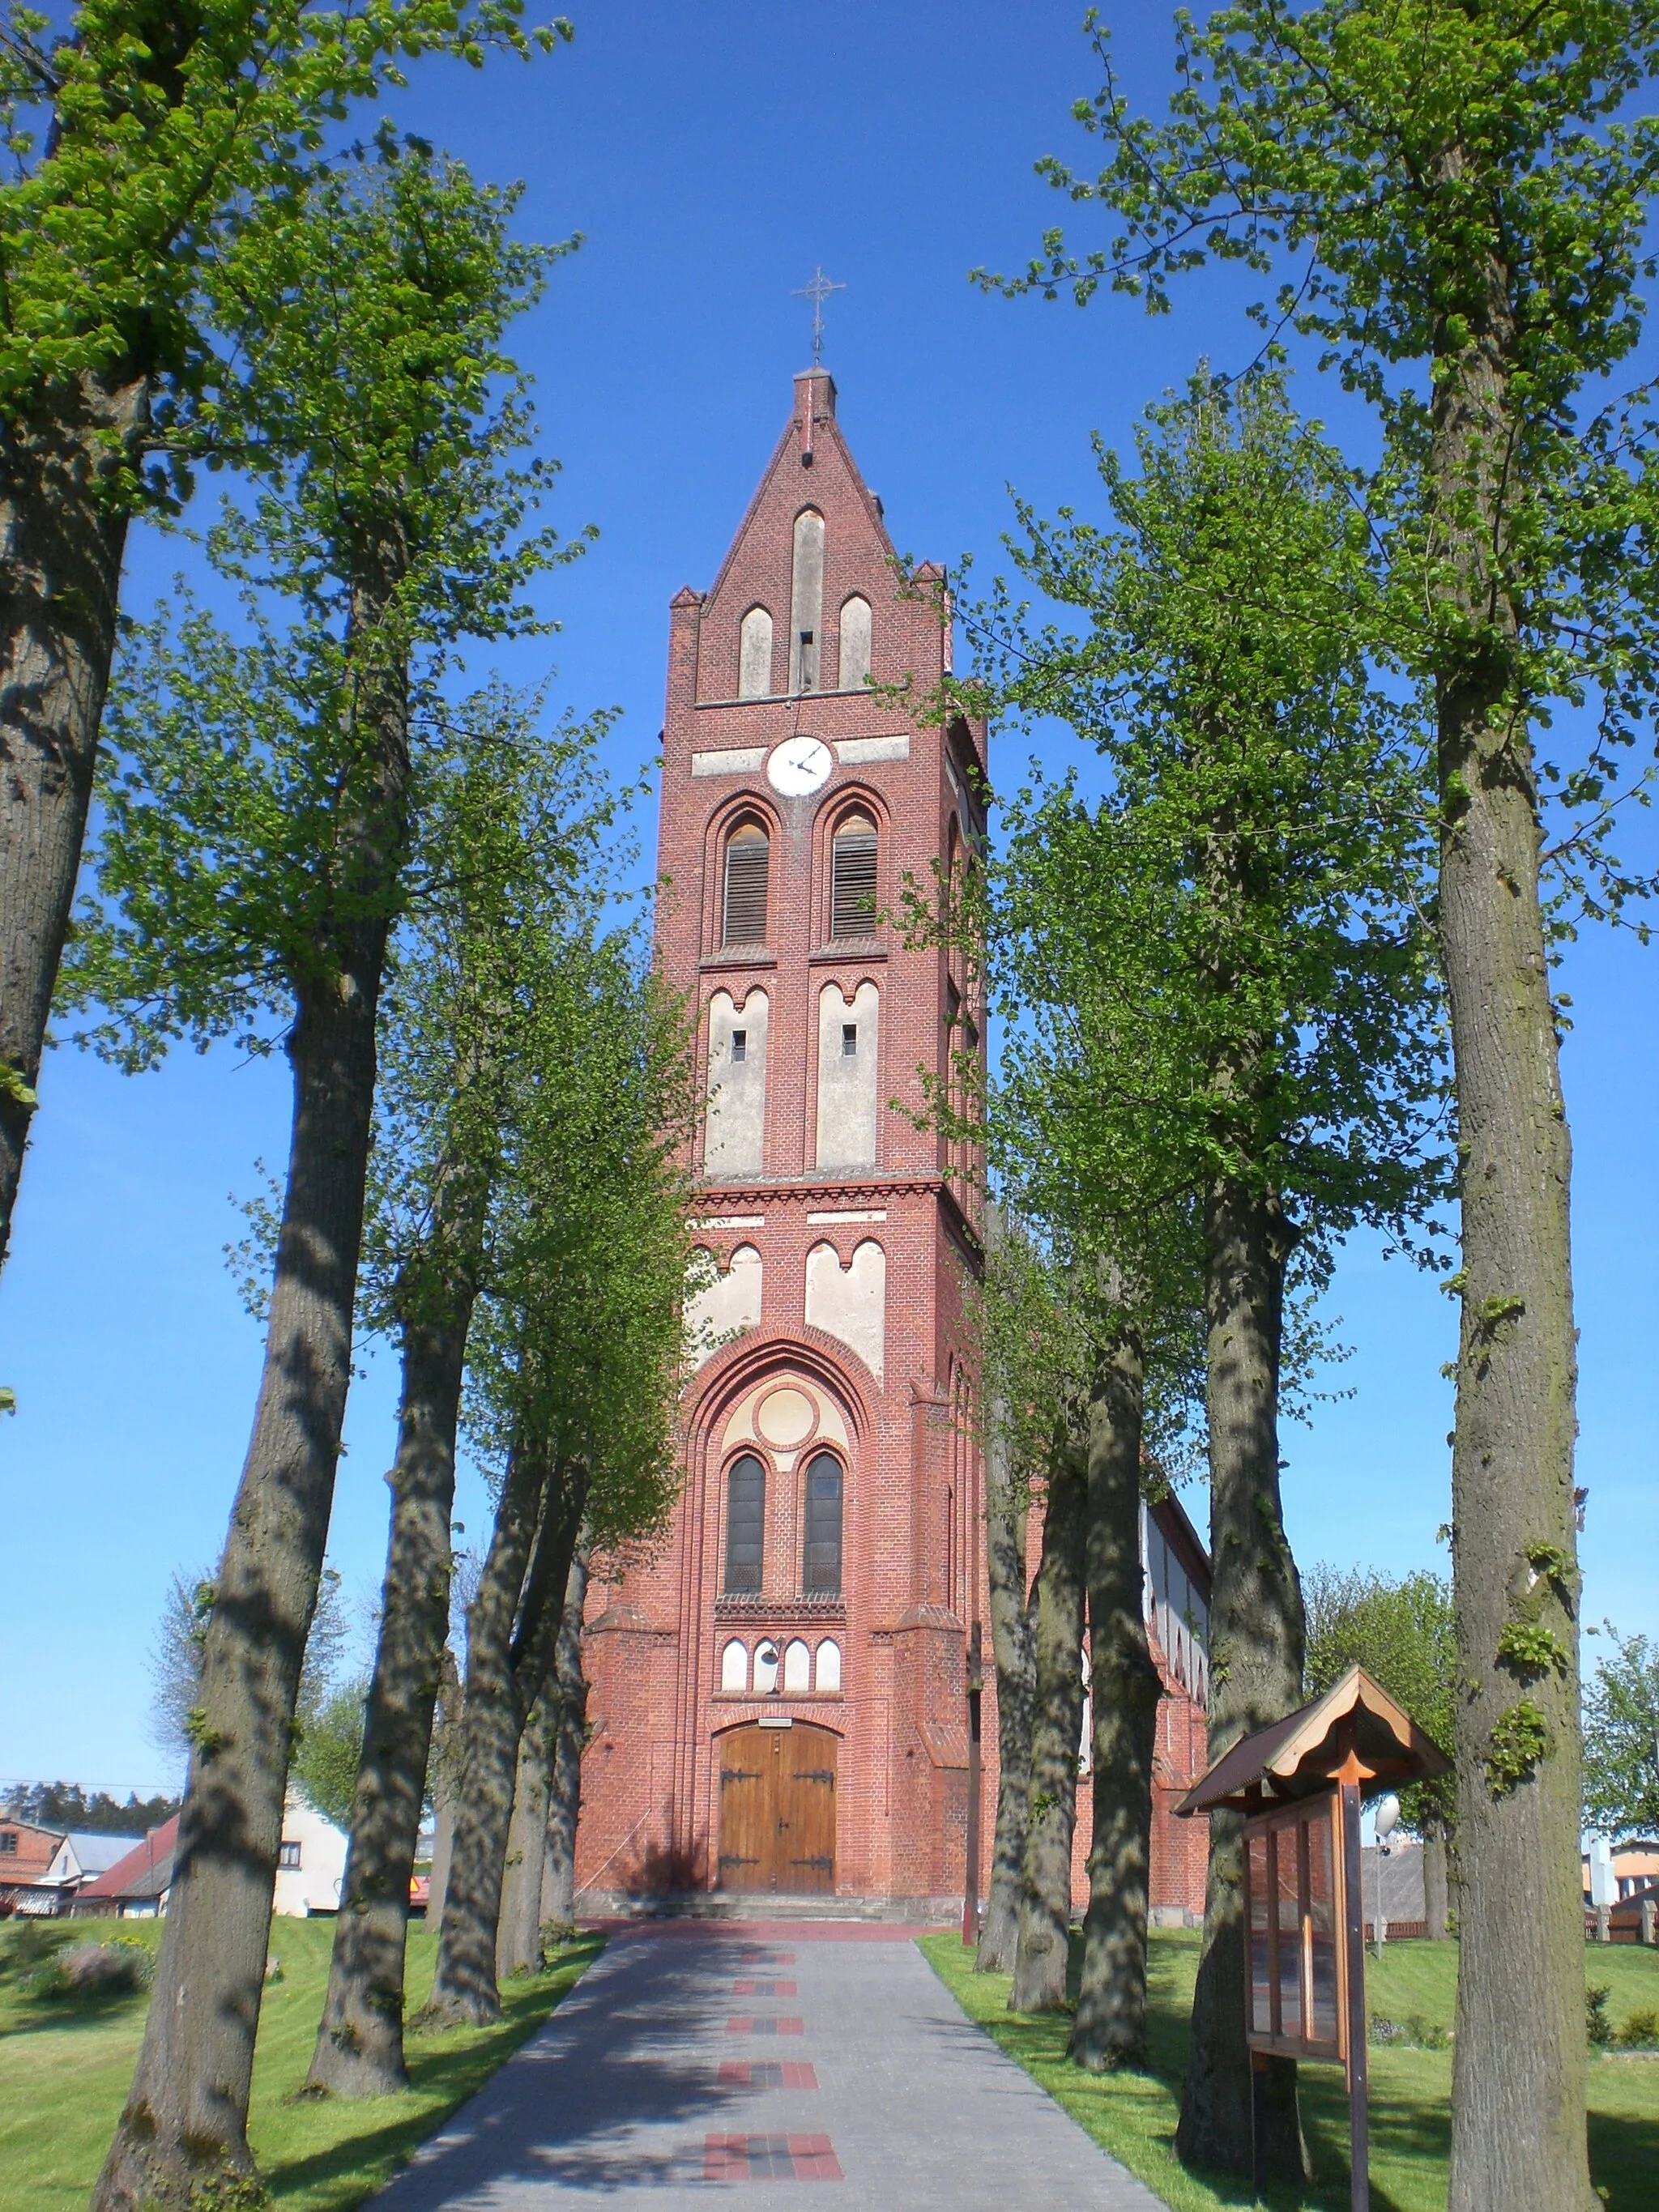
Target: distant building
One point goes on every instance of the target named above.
(1615, 1871)
(27, 1852)
(311, 1866)
(135, 1887)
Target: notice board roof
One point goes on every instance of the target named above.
(1356, 1726)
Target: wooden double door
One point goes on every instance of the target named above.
(777, 1818)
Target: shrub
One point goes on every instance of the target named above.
(94, 1970)
(1640, 2030)
(1597, 2025)
(1422, 2034)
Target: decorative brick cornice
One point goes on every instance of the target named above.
(813, 1190)
(763, 1612)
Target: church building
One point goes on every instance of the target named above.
(778, 1692)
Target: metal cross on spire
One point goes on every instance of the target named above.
(818, 292)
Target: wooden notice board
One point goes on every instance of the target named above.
(1297, 2005)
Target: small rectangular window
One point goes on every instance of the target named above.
(740, 1044)
(289, 1856)
(8, 1841)
(849, 1040)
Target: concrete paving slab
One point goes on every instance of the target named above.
(667, 2080)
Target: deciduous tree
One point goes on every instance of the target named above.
(1224, 1050)
(1621, 1739)
(517, 850)
(141, 143)
(1453, 201)
(258, 796)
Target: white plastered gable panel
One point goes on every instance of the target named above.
(849, 1052)
(736, 1141)
(726, 1307)
(850, 1302)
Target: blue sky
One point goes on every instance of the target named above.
(712, 158)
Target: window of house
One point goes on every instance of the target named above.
(754, 655)
(8, 1843)
(747, 856)
(740, 1044)
(853, 878)
(854, 643)
(746, 1525)
(288, 1855)
(821, 1567)
(849, 1040)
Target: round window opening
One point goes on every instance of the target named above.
(787, 1418)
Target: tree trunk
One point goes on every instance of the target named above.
(447, 1737)
(186, 2122)
(1007, 1510)
(1436, 1898)
(1110, 2026)
(1519, 2061)
(530, 1554)
(1256, 1664)
(62, 535)
(518, 1931)
(1045, 1914)
(360, 2042)
(564, 1796)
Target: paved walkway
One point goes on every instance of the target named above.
(692, 2059)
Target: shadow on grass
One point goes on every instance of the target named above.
(1132, 2113)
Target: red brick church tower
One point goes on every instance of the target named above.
(778, 1694)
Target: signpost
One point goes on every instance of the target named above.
(1300, 1784)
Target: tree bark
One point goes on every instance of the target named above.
(1519, 2076)
(62, 538)
(1110, 2027)
(1045, 1914)
(518, 1931)
(1007, 1510)
(186, 2122)
(360, 2042)
(564, 1795)
(1436, 1896)
(1256, 1664)
(508, 1657)
(446, 1736)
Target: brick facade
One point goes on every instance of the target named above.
(832, 1339)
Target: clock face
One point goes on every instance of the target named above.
(800, 766)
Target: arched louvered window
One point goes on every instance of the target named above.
(754, 654)
(853, 878)
(746, 1525)
(821, 1564)
(748, 854)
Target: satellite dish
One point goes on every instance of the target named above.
(1387, 1816)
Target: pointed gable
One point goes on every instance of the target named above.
(812, 555)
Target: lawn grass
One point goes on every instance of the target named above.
(1132, 2115)
(67, 2066)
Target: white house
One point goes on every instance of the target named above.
(81, 1857)
(311, 1864)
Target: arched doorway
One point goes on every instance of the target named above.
(777, 1795)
